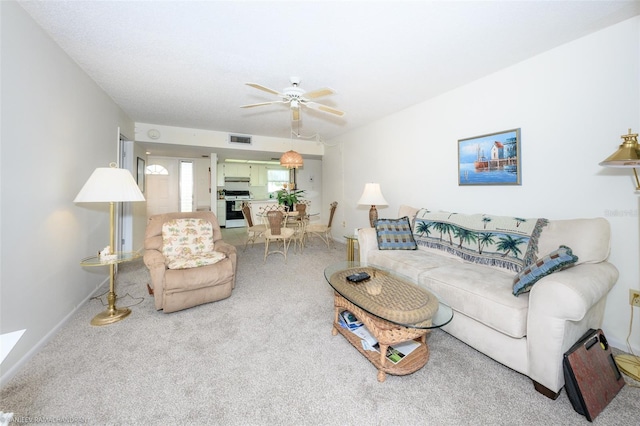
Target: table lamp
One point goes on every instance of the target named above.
(372, 196)
(110, 185)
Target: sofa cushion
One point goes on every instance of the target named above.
(481, 293)
(187, 237)
(554, 261)
(410, 263)
(589, 239)
(395, 234)
(502, 242)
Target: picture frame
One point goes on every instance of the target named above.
(140, 176)
(491, 159)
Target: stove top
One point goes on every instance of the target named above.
(233, 195)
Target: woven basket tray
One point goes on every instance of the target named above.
(387, 297)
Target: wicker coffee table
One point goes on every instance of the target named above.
(394, 310)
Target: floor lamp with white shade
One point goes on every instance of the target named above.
(110, 185)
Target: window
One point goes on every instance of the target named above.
(156, 169)
(276, 179)
(186, 186)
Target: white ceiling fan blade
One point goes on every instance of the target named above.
(266, 89)
(324, 108)
(314, 94)
(261, 104)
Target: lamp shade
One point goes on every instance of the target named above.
(291, 160)
(372, 196)
(109, 184)
(627, 154)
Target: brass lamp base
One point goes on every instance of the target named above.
(110, 316)
(629, 365)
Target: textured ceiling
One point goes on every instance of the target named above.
(186, 63)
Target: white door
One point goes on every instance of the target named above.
(163, 189)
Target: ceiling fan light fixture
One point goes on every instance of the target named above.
(297, 98)
(291, 160)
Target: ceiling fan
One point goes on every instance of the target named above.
(297, 98)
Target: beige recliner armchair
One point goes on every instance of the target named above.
(188, 261)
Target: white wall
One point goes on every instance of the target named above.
(57, 127)
(571, 103)
(219, 139)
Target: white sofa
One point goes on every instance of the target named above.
(528, 333)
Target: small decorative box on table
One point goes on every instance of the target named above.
(392, 308)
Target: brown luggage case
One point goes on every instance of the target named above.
(592, 378)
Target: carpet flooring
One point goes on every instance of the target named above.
(266, 356)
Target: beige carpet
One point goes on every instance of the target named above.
(266, 356)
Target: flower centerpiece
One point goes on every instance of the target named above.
(289, 196)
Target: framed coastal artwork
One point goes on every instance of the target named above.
(492, 159)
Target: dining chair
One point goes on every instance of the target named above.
(321, 230)
(299, 224)
(253, 231)
(276, 233)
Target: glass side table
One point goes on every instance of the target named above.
(352, 240)
(120, 257)
(112, 314)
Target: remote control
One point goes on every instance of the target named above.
(360, 276)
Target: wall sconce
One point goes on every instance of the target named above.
(627, 156)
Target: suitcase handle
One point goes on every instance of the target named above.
(599, 337)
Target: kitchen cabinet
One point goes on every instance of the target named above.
(236, 170)
(220, 174)
(258, 175)
(221, 212)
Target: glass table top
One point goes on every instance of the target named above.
(111, 260)
(389, 295)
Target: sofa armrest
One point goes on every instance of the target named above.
(571, 293)
(153, 258)
(224, 247)
(367, 241)
(155, 262)
(231, 252)
(562, 307)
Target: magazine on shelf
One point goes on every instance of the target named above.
(395, 353)
(350, 320)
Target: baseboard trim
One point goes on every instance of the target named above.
(10, 373)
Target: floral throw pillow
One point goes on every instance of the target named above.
(554, 261)
(395, 234)
(195, 261)
(186, 237)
